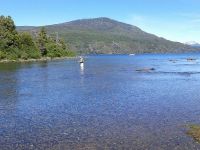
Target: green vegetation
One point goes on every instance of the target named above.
(194, 132)
(104, 35)
(21, 45)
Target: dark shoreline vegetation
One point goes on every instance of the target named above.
(19, 46)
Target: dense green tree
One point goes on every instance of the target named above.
(8, 34)
(14, 45)
(42, 41)
(51, 47)
(28, 46)
(63, 45)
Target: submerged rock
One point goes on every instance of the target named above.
(145, 69)
(173, 60)
(191, 59)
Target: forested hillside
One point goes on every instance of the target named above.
(104, 35)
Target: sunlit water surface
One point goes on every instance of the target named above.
(103, 104)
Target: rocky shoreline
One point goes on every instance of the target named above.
(35, 60)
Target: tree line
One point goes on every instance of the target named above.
(22, 45)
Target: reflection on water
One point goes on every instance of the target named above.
(8, 89)
(82, 68)
(105, 104)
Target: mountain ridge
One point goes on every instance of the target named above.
(193, 43)
(105, 35)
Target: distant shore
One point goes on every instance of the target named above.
(36, 60)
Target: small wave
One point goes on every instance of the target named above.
(177, 73)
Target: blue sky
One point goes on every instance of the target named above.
(177, 20)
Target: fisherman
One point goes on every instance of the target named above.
(81, 59)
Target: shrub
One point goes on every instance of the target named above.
(2, 55)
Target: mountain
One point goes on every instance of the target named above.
(193, 44)
(104, 35)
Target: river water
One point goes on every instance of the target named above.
(103, 104)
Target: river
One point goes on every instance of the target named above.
(103, 104)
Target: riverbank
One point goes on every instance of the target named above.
(36, 60)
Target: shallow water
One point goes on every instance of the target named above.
(105, 104)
